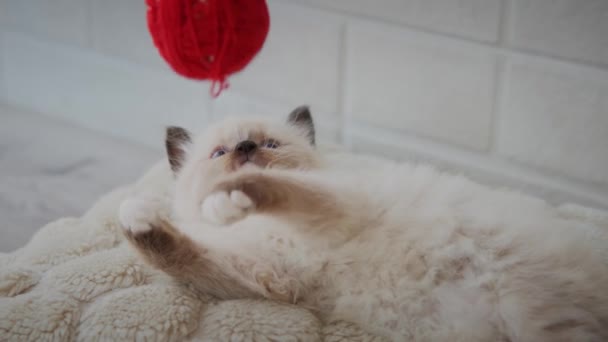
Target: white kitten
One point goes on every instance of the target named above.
(402, 250)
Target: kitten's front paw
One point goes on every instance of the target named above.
(137, 214)
(224, 207)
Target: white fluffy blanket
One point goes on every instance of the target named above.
(78, 279)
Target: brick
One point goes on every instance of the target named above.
(119, 28)
(475, 19)
(412, 83)
(299, 62)
(573, 29)
(556, 119)
(61, 20)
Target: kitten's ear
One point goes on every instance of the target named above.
(176, 139)
(301, 117)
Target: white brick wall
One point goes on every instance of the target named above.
(475, 19)
(556, 117)
(98, 92)
(61, 20)
(511, 92)
(300, 59)
(118, 28)
(438, 88)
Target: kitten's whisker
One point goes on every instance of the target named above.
(279, 157)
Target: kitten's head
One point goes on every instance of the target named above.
(240, 143)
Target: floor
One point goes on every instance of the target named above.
(51, 169)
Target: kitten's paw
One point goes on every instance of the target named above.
(224, 207)
(136, 215)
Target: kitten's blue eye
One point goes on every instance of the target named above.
(218, 153)
(270, 143)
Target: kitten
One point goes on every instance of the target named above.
(404, 251)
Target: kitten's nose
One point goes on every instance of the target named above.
(245, 147)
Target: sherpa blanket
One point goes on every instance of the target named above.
(79, 280)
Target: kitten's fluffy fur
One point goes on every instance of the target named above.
(402, 250)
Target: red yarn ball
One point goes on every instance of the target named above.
(208, 39)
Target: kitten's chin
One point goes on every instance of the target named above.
(249, 165)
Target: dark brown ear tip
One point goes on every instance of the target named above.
(172, 129)
(175, 139)
(176, 133)
(302, 117)
(302, 108)
(300, 113)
